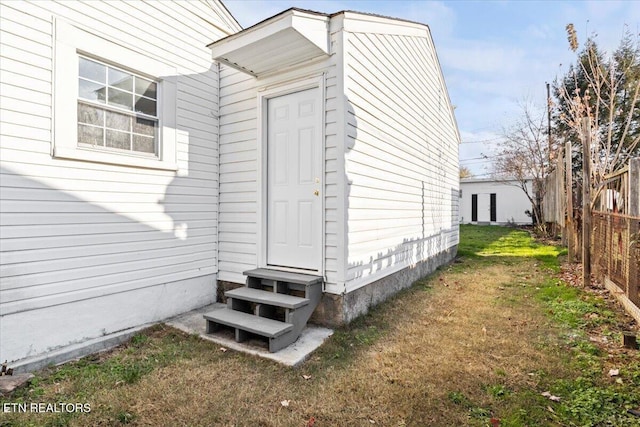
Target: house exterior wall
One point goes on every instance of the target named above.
(391, 164)
(90, 248)
(240, 145)
(511, 201)
(401, 156)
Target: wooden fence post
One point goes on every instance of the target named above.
(568, 225)
(634, 187)
(586, 202)
(633, 277)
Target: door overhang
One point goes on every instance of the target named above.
(292, 37)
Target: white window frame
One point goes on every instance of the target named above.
(70, 43)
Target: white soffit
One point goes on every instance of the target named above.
(289, 38)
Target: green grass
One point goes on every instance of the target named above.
(556, 319)
(589, 397)
(493, 241)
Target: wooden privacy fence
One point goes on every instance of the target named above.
(615, 246)
(616, 253)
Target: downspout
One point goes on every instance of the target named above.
(217, 115)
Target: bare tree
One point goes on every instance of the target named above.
(523, 155)
(607, 90)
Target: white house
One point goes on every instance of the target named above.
(139, 174)
(492, 201)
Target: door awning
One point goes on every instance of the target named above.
(289, 38)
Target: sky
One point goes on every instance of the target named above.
(495, 55)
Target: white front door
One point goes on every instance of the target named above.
(294, 181)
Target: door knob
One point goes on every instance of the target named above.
(316, 193)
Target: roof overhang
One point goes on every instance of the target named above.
(289, 38)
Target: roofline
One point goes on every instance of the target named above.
(226, 9)
(376, 15)
(346, 11)
(475, 180)
(327, 15)
(284, 12)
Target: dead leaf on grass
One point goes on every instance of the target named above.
(311, 422)
(551, 396)
(222, 349)
(306, 377)
(285, 403)
(635, 412)
(614, 372)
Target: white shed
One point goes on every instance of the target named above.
(495, 201)
(140, 177)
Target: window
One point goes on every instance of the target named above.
(116, 109)
(112, 104)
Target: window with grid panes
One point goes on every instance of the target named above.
(117, 109)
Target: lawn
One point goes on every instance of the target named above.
(477, 343)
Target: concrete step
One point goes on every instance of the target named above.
(284, 276)
(265, 297)
(247, 322)
(267, 304)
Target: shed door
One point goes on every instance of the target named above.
(483, 208)
(294, 165)
(493, 208)
(474, 207)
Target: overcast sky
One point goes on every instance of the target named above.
(493, 54)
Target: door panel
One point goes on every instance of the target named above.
(483, 207)
(294, 166)
(474, 207)
(494, 210)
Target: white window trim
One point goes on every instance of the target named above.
(70, 41)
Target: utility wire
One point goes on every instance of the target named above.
(480, 141)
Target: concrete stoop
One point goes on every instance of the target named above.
(309, 340)
(273, 305)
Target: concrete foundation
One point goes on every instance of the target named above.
(224, 286)
(335, 310)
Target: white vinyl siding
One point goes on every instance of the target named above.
(238, 177)
(402, 166)
(239, 186)
(78, 234)
(391, 166)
